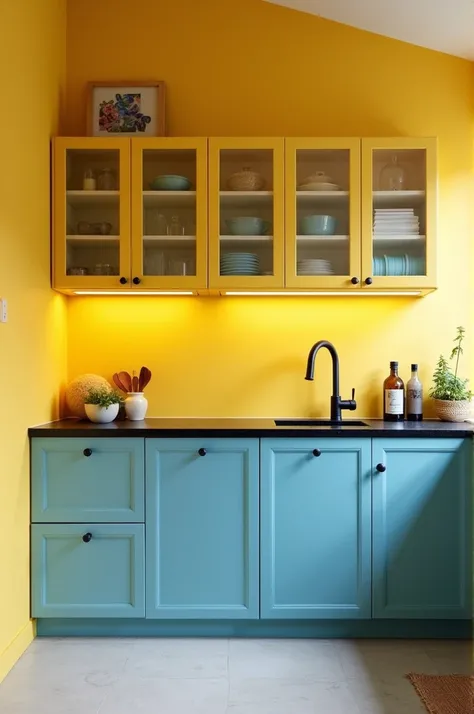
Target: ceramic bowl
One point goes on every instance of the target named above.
(170, 182)
(246, 226)
(318, 225)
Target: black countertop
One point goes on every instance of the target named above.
(193, 427)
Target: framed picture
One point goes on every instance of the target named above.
(126, 109)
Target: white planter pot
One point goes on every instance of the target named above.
(447, 410)
(101, 415)
(136, 405)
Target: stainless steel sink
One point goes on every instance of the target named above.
(328, 423)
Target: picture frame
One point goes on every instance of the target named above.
(126, 108)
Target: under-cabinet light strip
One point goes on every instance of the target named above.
(328, 293)
(133, 292)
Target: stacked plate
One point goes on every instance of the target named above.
(313, 266)
(399, 265)
(240, 264)
(396, 221)
(318, 186)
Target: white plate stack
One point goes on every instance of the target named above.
(313, 266)
(396, 221)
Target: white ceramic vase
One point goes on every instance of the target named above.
(136, 405)
(101, 415)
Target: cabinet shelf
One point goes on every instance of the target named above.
(323, 197)
(233, 199)
(86, 198)
(91, 240)
(247, 239)
(169, 239)
(398, 239)
(171, 199)
(337, 240)
(403, 199)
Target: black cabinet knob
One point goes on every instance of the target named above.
(87, 452)
(136, 281)
(87, 537)
(202, 452)
(316, 452)
(123, 281)
(381, 468)
(355, 281)
(368, 281)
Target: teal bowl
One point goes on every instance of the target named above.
(318, 225)
(170, 182)
(246, 226)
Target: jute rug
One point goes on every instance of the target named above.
(445, 694)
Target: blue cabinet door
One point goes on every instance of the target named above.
(87, 570)
(87, 480)
(202, 528)
(315, 528)
(422, 528)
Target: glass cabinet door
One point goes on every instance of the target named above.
(91, 238)
(399, 185)
(246, 228)
(169, 213)
(323, 213)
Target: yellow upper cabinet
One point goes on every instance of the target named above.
(399, 198)
(91, 228)
(169, 213)
(322, 191)
(246, 214)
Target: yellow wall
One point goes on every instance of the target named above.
(32, 343)
(245, 67)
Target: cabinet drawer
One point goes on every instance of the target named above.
(87, 480)
(85, 570)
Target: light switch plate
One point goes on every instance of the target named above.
(3, 310)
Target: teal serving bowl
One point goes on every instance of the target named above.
(170, 182)
(246, 226)
(318, 225)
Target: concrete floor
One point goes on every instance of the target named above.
(190, 676)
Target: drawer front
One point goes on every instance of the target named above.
(88, 480)
(88, 570)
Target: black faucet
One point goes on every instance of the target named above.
(337, 404)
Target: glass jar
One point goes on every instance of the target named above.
(392, 176)
(88, 182)
(107, 180)
(175, 227)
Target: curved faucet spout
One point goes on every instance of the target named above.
(335, 364)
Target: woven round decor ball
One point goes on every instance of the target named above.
(77, 390)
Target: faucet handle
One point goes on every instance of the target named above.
(353, 393)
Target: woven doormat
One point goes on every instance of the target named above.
(445, 694)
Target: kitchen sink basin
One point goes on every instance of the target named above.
(328, 423)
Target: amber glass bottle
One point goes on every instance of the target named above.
(393, 395)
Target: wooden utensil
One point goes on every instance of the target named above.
(118, 383)
(126, 380)
(135, 384)
(145, 376)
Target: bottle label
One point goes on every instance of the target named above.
(415, 400)
(394, 401)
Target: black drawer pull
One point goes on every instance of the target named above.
(202, 452)
(381, 468)
(87, 537)
(316, 452)
(87, 452)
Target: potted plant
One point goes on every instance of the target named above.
(452, 398)
(102, 404)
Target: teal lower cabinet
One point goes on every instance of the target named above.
(202, 526)
(88, 570)
(273, 537)
(315, 528)
(422, 538)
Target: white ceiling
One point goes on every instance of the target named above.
(444, 25)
